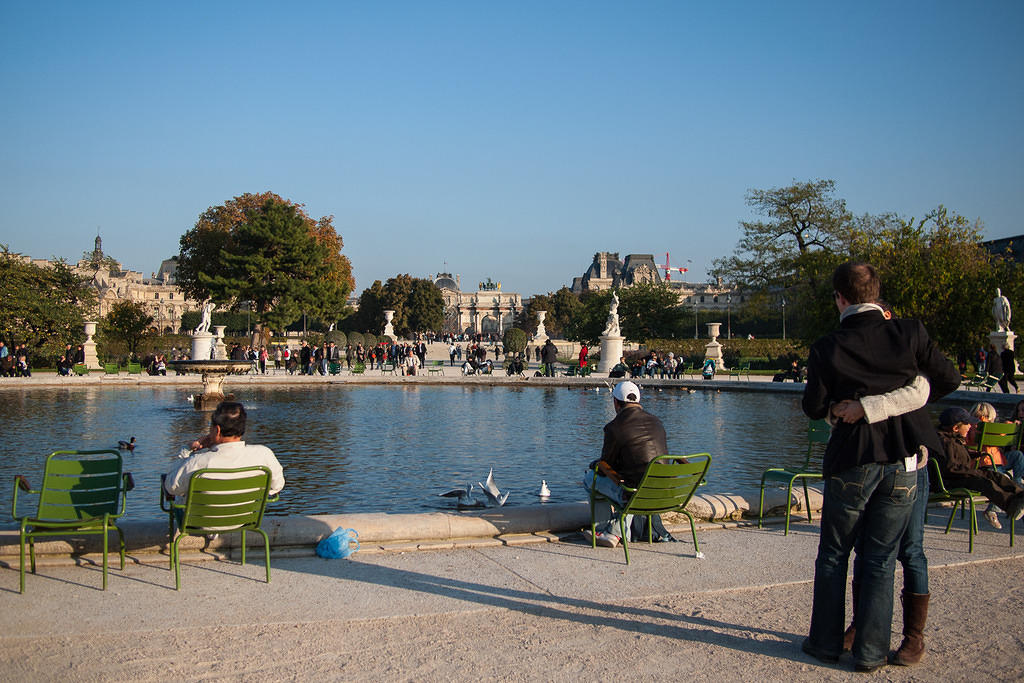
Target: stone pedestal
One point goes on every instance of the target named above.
(389, 329)
(1003, 339)
(220, 351)
(92, 361)
(611, 351)
(202, 342)
(542, 335)
(713, 349)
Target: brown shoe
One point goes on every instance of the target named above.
(915, 613)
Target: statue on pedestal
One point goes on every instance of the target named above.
(611, 328)
(1001, 311)
(204, 324)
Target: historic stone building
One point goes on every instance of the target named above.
(608, 271)
(487, 310)
(113, 283)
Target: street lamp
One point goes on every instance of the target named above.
(695, 317)
(728, 303)
(783, 317)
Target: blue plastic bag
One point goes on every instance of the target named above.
(339, 545)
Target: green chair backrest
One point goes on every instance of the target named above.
(221, 499)
(80, 485)
(135, 368)
(1005, 435)
(668, 484)
(818, 434)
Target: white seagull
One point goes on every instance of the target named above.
(545, 492)
(490, 489)
(464, 497)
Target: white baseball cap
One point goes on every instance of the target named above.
(627, 392)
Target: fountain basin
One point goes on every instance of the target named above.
(213, 373)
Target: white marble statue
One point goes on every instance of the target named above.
(611, 328)
(1001, 311)
(204, 324)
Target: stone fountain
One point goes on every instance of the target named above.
(205, 347)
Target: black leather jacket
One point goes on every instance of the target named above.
(631, 441)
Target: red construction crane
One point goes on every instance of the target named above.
(668, 268)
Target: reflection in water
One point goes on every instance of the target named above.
(393, 448)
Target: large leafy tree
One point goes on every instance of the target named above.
(561, 306)
(589, 322)
(43, 308)
(934, 269)
(650, 311)
(127, 322)
(417, 303)
(265, 251)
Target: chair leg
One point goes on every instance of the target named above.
(760, 508)
(176, 562)
(243, 547)
(789, 504)
(971, 528)
(952, 514)
(593, 524)
(622, 531)
(21, 555)
(807, 500)
(266, 551)
(106, 544)
(693, 532)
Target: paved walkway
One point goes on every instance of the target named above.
(530, 611)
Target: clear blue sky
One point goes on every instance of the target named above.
(508, 140)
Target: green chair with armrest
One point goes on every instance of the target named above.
(219, 501)
(667, 486)
(83, 493)
(1005, 436)
(960, 496)
(818, 433)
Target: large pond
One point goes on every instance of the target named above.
(394, 448)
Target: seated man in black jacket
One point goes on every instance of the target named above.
(631, 441)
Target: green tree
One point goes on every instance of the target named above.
(561, 306)
(371, 310)
(43, 308)
(935, 270)
(514, 340)
(424, 308)
(127, 322)
(650, 311)
(268, 252)
(590, 320)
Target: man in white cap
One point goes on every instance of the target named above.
(631, 441)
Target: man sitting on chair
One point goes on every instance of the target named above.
(631, 441)
(222, 447)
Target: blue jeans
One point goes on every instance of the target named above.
(606, 522)
(911, 553)
(870, 505)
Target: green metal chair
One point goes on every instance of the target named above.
(1003, 435)
(111, 368)
(80, 369)
(818, 432)
(667, 486)
(334, 368)
(961, 497)
(219, 501)
(83, 493)
(134, 368)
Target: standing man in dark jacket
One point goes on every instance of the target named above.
(870, 470)
(548, 355)
(1009, 370)
(631, 441)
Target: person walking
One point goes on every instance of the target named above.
(1009, 370)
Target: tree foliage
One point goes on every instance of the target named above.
(262, 249)
(589, 322)
(417, 303)
(43, 308)
(561, 306)
(127, 322)
(514, 340)
(650, 311)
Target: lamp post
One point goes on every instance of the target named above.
(695, 317)
(783, 317)
(728, 303)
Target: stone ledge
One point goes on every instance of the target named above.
(399, 532)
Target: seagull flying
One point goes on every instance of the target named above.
(490, 489)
